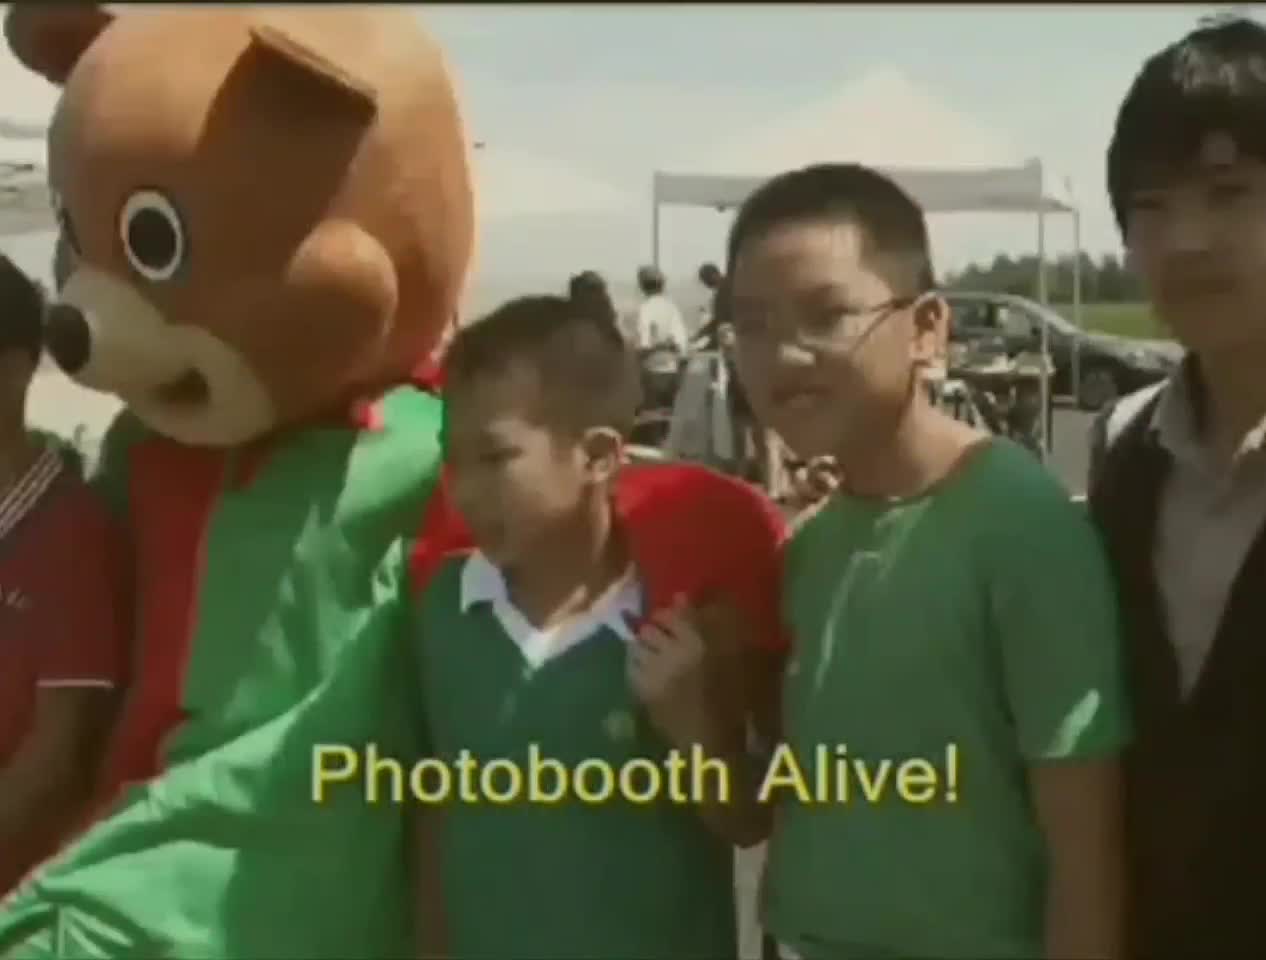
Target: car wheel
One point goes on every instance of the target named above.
(1097, 389)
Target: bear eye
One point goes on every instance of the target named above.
(153, 235)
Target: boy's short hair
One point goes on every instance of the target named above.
(1213, 80)
(585, 368)
(21, 311)
(894, 232)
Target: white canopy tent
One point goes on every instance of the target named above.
(887, 122)
(1018, 189)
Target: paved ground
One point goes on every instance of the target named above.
(56, 404)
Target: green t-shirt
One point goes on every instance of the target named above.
(983, 616)
(572, 879)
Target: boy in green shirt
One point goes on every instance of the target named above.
(545, 677)
(955, 674)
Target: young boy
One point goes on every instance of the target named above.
(948, 594)
(1180, 493)
(62, 635)
(531, 643)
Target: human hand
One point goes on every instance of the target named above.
(812, 482)
(668, 672)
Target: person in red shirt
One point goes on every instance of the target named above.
(62, 630)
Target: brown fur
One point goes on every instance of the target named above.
(316, 155)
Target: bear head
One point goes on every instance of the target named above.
(265, 213)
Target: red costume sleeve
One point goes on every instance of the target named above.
(705, 535)
(443, 534)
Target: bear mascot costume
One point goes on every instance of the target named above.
(267, 221)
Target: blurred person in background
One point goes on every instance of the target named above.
(590, 288)
(658, 322)
(62, 623)
(756, 450)
(710, 278)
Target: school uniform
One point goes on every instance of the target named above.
(616, 878)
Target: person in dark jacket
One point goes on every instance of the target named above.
(1178, 487)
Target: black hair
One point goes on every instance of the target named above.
(1213, 80)
(710, 275)
(894, 232)
(650, 281)
(589, 291)
(574, 345)
(22, 304)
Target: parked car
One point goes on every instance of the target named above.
(1110, 366)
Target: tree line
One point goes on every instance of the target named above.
(1106, 280)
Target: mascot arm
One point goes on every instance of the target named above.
(442, 534)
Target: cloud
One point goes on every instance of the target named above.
(882, 118)
(512, 182)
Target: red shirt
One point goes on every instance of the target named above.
(61, 623)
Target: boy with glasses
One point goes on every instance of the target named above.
(947, 595)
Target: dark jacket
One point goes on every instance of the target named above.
(1196, 774)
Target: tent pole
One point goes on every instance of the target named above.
(1076, 372)
(654, 230)
(1045, 339)
(1041, 258)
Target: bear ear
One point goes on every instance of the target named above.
(325, 75)
(50, 38)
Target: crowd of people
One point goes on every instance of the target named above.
(1098, 674)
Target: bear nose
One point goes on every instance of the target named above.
(67, 337)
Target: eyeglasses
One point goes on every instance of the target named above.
(813, 327)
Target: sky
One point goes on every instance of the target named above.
(576, 106)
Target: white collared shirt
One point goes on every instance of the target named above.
(658, 321)
(483, 582)
(1211, 511)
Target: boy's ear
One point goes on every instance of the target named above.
(930, 341)
(603, 450)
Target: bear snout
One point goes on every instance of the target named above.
(67, 337)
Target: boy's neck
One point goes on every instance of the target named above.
(17, 452)
(925, 446)
(1236, 399)
(576, 566)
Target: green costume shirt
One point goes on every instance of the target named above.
(272, 605)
